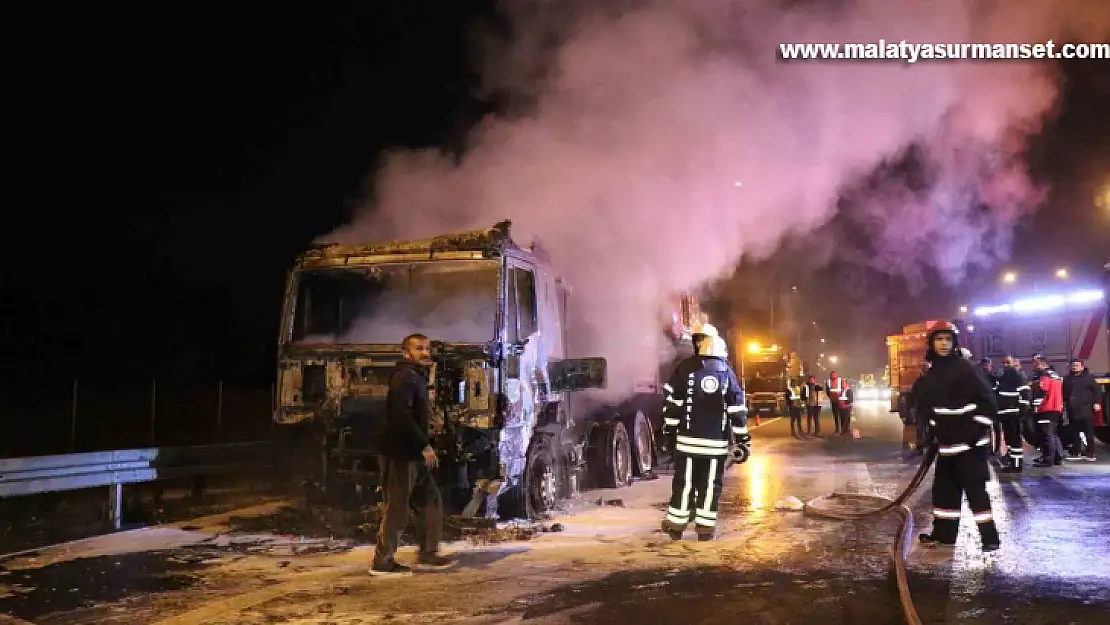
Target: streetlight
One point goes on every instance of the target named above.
(1062, 273)
(963, 310)
(833, 359)
(822, 340)
(1009, 277)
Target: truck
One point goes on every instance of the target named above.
(766, 372)
(514, 425)
(906, 355)
(1060, 326)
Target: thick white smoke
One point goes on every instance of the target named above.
(666, 138)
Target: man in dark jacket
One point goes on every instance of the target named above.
(961, 406)
(409, 460)
(1082, 397)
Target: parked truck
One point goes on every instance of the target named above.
(514, 423)
(767, 372)
(906, 355)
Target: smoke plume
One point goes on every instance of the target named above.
(656, 141)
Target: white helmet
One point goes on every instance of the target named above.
(713, 346)
(707, 329)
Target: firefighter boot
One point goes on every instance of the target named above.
(674, 532)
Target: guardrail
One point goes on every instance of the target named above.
(48, 474)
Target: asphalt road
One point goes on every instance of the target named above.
(607, 562)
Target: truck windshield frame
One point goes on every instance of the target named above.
(455, 301)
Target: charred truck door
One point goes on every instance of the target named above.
(522, 354)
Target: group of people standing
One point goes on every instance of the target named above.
(1059, 409)
(808, 398)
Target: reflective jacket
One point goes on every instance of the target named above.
(837, 391)
(704, 404)
(1048, 392)
(959, 404)
(1013, 393)
(793, 396)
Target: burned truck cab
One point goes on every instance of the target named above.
(500, 382)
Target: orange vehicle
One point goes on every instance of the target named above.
(906, 354)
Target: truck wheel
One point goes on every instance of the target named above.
(1102, 433)
(541, 480)
(643, 444)
(616, 456)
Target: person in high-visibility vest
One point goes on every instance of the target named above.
(836, 388)
(794, 407)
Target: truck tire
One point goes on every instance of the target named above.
(643, 444)
(541, 482)
(612, 455)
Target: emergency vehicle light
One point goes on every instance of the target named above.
(1040, 304)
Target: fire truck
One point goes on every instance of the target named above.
(906, 354)
(1060, 326)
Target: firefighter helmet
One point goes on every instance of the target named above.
(943, 327)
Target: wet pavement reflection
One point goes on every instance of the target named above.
(611, 564)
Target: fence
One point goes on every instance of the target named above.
(90, 418)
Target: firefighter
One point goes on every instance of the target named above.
(960, 405)
(705, 404)
(1013, 398)
(837, 390)
(987, 367)
(811, 397)
(1048, 408)
(794, 407)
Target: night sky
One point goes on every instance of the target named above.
(178, 161)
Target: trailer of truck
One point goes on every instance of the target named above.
(513, 423)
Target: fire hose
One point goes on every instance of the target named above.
(903, 542)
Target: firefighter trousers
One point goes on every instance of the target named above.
(996, 437)
(964, 473)
(1011, 428)
(695, 491)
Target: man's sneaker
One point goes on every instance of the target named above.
(392, 569)
(989, 547)
(927, 540)
(1073, 457)
(434, 560)
(1090, 458)
(1041, 463)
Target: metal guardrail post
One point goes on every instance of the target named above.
(115, 505)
